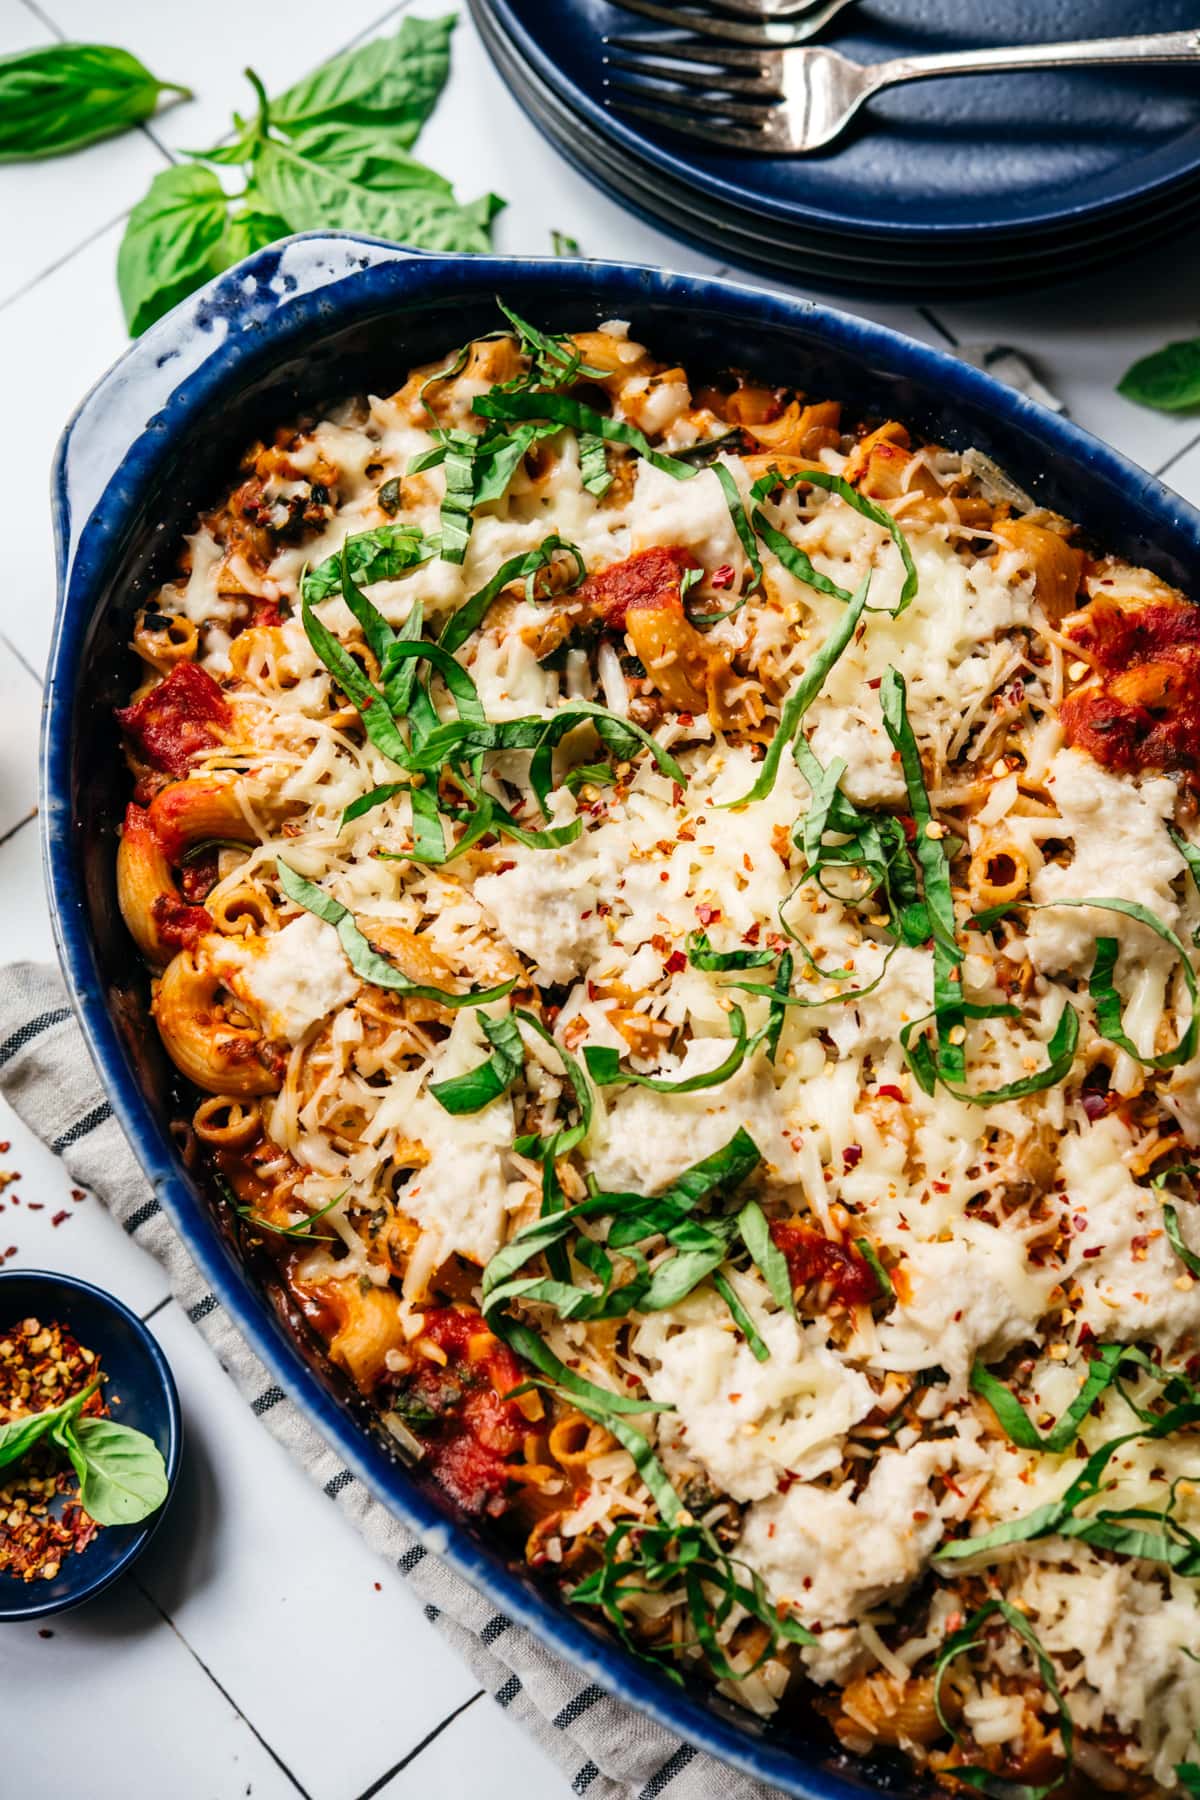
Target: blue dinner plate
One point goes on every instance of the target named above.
(940, 161)
(903, 269)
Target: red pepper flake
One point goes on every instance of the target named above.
(60, 1216)
(708, 914)
(910, 826)
(37, 1206)
(877, 682)
(45, 1632)
(41, 1520)
(675, 962)
(940, 1187)
(888, 1090)
(851, 1156)
(686, 719)
(722, 577)
(378, 1587)
(1096, 1250)
(676, 794)
(78, 1194)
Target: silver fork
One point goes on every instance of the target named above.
(776, 29)
(785, 102)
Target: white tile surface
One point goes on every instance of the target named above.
(482, 1753)
(278, 1633)
(273, 1589)
(114, 1706)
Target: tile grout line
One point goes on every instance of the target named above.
(20, 825)
(221, 1689)
(396, 1768)
(21, 658)
(1175, 457)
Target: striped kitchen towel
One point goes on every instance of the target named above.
(605, 1749)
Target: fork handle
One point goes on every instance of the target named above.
(1157, 47)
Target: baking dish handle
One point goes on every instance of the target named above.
(125, 402)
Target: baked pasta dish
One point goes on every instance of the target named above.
(675, 905)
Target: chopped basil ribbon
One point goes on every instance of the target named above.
(1188, 1776)
(379, 555)
(458, 500)
(700, 1247)
(593, 464)
(604, 1065)
(640, 1558)
(870, 1256)
(366, 961)
(589, 424)
(1102, 1372)
(766, 1255)
(967, 1639)
(478, 1087)
(567, 1139)
(803, 695)
(741, 1318)
(1100, 983)
(302, 1229)
(377, 719)
(1191, 856)
(797, 563)
(1108, 1527)
(471, 614)
(701, 955)
(1170, 1217)
(555, 360)
(588, 774)
(457, 738)
(875, 846)
(947, 1063)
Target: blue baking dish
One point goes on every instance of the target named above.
(321, 316)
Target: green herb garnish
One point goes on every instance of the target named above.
(60, 97)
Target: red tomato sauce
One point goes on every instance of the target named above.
(650, 579)
(813, 1257)
(1144, 710)
(178, 924)
(477, 1431)
(182, 715)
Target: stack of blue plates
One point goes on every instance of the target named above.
(965, 186)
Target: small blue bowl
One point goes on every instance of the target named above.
(140, 1391)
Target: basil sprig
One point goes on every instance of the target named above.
(330, 152)
(1167, 379)
(802, 696)
(478, 1087)
(967, 1639)
(60, 97)
(793, 558)
(366, 961)
(122, 1476)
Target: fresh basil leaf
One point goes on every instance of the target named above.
(383, 554)
(365, 960)
(314, 197)
(531, 1349)
(967, 1639)
(250, 228)
(122, 1476)
(391, 81)
(1188, 1777)
(1167, 379)
(367, 156)
(802, 696)
(17, 1436)
(60, 97)
(795, 560)
(172, 244)
(1102, 1372)
(478, 1087)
